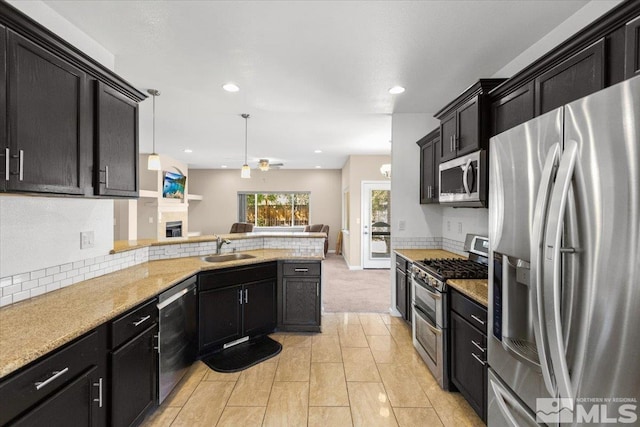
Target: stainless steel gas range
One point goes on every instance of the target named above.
(430, 302)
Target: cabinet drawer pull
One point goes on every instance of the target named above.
(99, 399)
(7, 164)
(301, 270)
(477, 319)
(477, 346)
(55, 375)
(141, 321)
(478, 359)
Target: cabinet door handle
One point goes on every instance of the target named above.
(451, 143)
(55, 375)
(456, 142)
(240, 298)
(20, 157)
(157, 345)
(246, 296)
(99, 399)
(477, 319)
(106, 177)
(478, 359)
(142, 320)
(7, 164)
(301, 270)
(478, 346)
(317, 289)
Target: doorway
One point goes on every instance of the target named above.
(376, 224)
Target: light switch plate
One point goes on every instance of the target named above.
(87, 239)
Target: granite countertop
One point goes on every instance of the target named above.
(475, 289)
(32, 328)
(128, 245)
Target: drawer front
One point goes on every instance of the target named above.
(470, 310)
(401, 263)
(133, 323)
(22, 391)
(301, 269)
(237, 276)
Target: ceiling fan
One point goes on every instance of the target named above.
(264, 165)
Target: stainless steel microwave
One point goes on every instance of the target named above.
(463, 181)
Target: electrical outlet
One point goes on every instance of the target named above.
(448, 225)
(402, 224)
(150, 220)
(459, 228)
(87, 239)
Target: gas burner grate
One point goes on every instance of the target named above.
(455, 268)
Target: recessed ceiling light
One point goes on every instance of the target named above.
(318, 167)
(230, 87)
(188, 150)
(318, 151)
(224, 166)
(396, 90)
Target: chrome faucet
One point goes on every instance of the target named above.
(219, 242)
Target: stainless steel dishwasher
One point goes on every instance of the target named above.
(177, 337)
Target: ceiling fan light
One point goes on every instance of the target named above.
(396, 90)
(153, 162)
(263, 164)
(245, 172)
(231, 87)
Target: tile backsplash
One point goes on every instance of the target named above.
(22, 286)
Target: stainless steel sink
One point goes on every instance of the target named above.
(226, 257)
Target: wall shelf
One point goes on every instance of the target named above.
(149, 194)
(194, 196)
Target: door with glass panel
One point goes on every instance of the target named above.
(376, 224)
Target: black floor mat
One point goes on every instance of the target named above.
(243, 356)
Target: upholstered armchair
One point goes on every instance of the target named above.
(241, 227)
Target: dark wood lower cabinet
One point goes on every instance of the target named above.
(299, 290)
(67, 387)
(468, 359)
(236, 302)
(133, 378)
(301, 297)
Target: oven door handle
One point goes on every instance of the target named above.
(426, 319)
(434, 295)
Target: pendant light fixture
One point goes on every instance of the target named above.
(246, 170)
(153, 162)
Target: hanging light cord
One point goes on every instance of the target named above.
(154, 124)
(246, 121)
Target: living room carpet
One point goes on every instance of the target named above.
(363, 291)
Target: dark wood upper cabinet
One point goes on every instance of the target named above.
(49, 119)
(464, 122)
(429, 161)
(116, 173)
(580, 75)
(513, 109)
(58, 131)
(4, 140)
(632, 48)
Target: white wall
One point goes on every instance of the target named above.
(219, 188)
(419, 220)
(37, 232)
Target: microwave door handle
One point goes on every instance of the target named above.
(552, 259)
(535, 284)
(465, 177)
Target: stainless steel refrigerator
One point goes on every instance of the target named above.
(564, 281)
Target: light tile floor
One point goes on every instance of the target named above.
(362, 370)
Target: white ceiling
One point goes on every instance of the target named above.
(312, 74)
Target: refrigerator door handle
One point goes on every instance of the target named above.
(536, 289)
(552, 272)
(502, 397)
